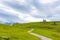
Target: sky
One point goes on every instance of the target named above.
(22, 11)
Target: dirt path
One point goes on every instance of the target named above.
(39, 36)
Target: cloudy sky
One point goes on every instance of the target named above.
(22, 11)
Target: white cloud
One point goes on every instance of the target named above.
(7, 9)
(34, 10)
(3, 20)
(29, 18)
(21, 15)
(47, 1)
(26, 17)
(22, 2)
(57, 8)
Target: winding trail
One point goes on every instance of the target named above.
(39, 36)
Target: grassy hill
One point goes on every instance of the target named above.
(20, 31)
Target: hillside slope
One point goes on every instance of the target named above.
(19, 31)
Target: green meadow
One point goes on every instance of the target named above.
(20, 31)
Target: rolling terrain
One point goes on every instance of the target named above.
(20, 31)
